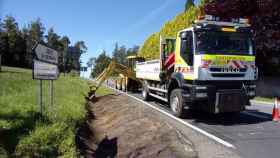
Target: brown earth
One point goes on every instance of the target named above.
(118, 126)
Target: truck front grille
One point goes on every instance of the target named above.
(228, 74)
(216, 69)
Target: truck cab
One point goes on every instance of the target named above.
(214, 68)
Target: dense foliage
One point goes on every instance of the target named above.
(150, 48)
(16, 45)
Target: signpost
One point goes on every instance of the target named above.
(46, 54)
(44, 71)
(45, 68)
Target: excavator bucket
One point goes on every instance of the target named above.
(91, 94)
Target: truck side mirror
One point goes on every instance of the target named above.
(184, 35)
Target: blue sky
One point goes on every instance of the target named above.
(99, 23)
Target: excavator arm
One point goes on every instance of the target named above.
(114, 67)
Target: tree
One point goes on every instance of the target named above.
(132, 51)
(65, 41)
(189, 4)
(36, 31)
(53, 39)
(10, 26)
(119, 54)
(3, 43)
(82, 48)
(34, 34)
(91, 62)
(122, 55)
(16, 45)
(101, 63)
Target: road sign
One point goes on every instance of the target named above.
(44, 71)
(46, 54)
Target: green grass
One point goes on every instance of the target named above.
(271, 100)
(22, 133)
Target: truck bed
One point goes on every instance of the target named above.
(148, 70)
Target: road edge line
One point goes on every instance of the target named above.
(262, 102)
(219, 140)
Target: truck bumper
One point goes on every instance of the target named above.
(221, 98)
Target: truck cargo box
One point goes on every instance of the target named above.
(148, 70)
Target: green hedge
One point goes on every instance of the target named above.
(150, 48)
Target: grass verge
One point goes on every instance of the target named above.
(269, 100)
(22, 133)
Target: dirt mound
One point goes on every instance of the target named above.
(123, 127)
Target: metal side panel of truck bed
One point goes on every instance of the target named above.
(148, 70)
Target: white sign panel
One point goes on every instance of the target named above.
(46, 54)
(44, 71)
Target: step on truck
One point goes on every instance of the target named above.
(209, 66)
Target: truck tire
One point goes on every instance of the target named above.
(177, 103)
(145, 91)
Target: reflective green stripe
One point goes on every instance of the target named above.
(228, 57)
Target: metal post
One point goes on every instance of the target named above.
(51, 92)
(40, 97)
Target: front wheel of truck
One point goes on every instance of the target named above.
(177, 103)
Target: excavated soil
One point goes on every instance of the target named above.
(118, 126)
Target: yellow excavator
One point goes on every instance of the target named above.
(126, 79)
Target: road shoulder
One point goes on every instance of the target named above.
(131, 130)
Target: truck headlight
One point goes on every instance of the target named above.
(201, 95)
(252, 93)
(252, 86)
(200, 87)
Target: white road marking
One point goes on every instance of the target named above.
(261, 103)
(255, 115)
(219, 140)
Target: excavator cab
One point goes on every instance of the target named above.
(131, 61)
(127, 82)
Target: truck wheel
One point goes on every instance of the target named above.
(177, 103)
(145, 91)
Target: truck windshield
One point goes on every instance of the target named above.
(231, 43)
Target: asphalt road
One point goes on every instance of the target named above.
(252, 132)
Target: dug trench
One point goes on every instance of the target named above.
(118, 126)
